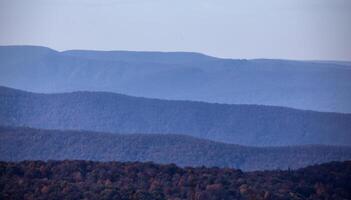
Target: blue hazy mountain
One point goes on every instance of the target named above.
(18, 144)
(110, 112)
(312, 85)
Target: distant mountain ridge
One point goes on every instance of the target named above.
(311, 85)
(18, 144)
(141, 56)
(238, 124)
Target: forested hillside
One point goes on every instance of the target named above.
(312, 85)
(148, 181)
(109, 112)
(31, 144)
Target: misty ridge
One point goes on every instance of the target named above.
(307, 85)
(18, 144)
(238, 124)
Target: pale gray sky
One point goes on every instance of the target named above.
(291, 29)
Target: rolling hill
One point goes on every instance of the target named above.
(311, 85)
(109, 112)
(18, 144)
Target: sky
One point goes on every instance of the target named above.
(285, 29)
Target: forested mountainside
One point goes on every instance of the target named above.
(109, 112)
(148, 181)
(18, 144)
(314, 85)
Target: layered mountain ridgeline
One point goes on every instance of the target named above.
(314, 85)
(237, 124)
(18, 144)
(148, 181)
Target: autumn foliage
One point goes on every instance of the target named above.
(148, 181)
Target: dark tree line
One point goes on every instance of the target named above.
(148, 181)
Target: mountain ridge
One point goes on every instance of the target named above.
(73, 51)
(38, 144)
(11, 90)
(108, 112)
(308, 85)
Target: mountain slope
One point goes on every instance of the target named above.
(314, 85)
(108, 112)
(32, 144)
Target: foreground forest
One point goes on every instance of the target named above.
(18, 144)
(148, 181)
